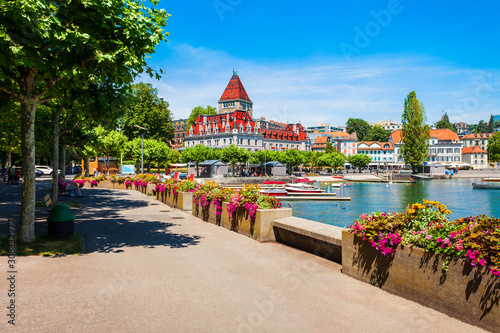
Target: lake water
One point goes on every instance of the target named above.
(456, 194)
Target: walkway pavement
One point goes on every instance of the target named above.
(150, 268)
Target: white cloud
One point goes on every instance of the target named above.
(330, 90)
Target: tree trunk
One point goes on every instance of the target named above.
(107, 165)
(86, 165)
(29, 104)
(197, 171)
(9, 159)
(56, 133)
(63, 159)
(149, 166)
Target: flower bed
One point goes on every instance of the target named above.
(246, 211)
(419, 254)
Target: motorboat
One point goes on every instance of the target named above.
(338, 177)
(275, 191)
(486, 186)
(491, 179)
(303, 186)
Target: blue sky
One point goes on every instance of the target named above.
(326, 61)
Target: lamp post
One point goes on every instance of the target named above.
(142, 146)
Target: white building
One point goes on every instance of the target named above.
(444, 146)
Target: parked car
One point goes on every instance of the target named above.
(38, 173)
(47, 170)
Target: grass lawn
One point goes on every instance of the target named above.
(44, 246)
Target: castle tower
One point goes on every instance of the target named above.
(235, 97)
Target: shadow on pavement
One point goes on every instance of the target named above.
(112, 235)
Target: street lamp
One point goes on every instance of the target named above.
(142, 146)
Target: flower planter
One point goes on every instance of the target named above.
(184, 201)
(105, 184)
(207, 214)
(262, 229)
(118, 186)
(470, 294)
(150, 188)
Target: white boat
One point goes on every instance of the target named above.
(341, 184)
(303, 186)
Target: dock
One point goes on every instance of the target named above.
(313, 198)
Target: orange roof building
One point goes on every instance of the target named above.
(475, 156)
(235, 97)
(379, 152)
(444, 146)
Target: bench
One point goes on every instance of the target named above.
(314, 237)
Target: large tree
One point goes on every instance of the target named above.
(494, 147)
(48, 45)
(10, 129)
(200, 111)
(234, 155)
(360, 126)
(333, 160)
(359, 160)
(150, 111)
(377, 133)
(196, 154)
(415, 132)
(293, 158)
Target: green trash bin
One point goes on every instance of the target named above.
(60, 223)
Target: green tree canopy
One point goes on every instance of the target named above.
(444, 123)
(149, 111)
(293, 158)
(359, 160)
(360, 126)
(415, 132)
(329, 148)
(494, 147)
(234, 155)
(196, 154)
(200, 111)
(378, 133)
(49, 45)
(333, 160)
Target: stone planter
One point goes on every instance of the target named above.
(105, 184)
(150, 188)
(207, 214)
(262, 229)
(118, 186)
(467, 293)
(184, 201)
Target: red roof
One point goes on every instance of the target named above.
(477, 136)
(221, 121)
(235, 90)
(473, 150)
(440, 134)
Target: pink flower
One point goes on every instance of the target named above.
(439, 240)
(428, 237)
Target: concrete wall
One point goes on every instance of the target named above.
(314, 237)
(464, 292)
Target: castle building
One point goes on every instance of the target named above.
(234, 125)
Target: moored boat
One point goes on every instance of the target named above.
(486, 186)
(303, 186)
(491, 179)
(279, 191)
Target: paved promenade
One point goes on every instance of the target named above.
(150, 268)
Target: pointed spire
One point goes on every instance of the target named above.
(235, 90)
